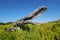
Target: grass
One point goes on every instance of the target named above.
(44, 31)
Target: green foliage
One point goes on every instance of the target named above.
(44, 31)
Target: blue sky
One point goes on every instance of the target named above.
(12, 10)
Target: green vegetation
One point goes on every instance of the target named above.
(44, 31)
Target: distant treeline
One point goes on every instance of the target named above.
(1, 23)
